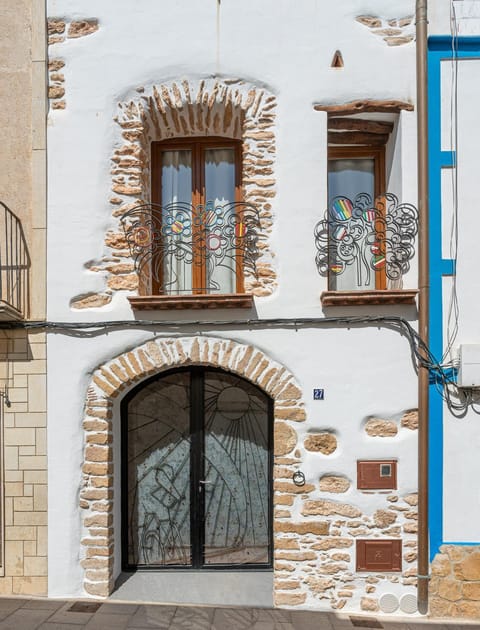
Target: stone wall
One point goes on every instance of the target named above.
(394, 31)
(23, 365)
(315, 560)
(455, 582)
(185, 108)
(315, 524)
(23, 529)
(113, 378)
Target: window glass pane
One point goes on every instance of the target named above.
(158, 493)
(347, 177)
(220, 195)
(177, 221)
(236, 464)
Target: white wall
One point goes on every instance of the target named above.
(365, 371)
(461, 435)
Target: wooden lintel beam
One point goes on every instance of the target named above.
(358, 107)
(357, 137)
(359, 124)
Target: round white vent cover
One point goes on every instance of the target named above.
(408, 603)
(388, 603)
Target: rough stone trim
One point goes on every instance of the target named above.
(394, 32)
(455, 582)
(231, 108)
(113, 377)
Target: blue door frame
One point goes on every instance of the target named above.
(439, 49)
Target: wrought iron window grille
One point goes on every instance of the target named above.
(208, 236)
(14, 263)
(371, 234)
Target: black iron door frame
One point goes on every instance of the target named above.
(197, 475)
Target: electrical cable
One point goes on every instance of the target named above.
(421, 354)
(453, 312)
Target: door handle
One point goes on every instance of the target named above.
(205, 482)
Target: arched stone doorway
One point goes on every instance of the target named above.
(197, 473)
(119, 376)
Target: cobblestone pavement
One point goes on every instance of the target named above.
(51, 614)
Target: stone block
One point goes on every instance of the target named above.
(285, 438)
(471, 590)
(32, 462)
(324, 544)
(384, 518)
(409, 420)
(289, 599)
(450, 589)
(334, 483)
(469, 568)
(295, 414)
(291, 488)
(324, 442)
(317, 528)
(411, 499)
(287, 585)
(30, 518)
(89, 300)
(327, 508)
(30, 585)
(467, 610)
(40, 498)
(377, 427)
(94, 453)
(319, 585)
(35, 566)
(80, 28)
(98, 589)
(369, 20)
(23, 504)
(14, 557)
(369, 604)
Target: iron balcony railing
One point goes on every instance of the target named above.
(14, 264)
(368, 235)
(179, 245)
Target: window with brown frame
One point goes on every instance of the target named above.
(196, 193)
(356, 179)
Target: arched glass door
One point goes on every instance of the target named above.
(196, 492)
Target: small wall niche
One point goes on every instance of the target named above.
(337, 60)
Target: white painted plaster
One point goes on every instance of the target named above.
(364, 371)
(462, 435)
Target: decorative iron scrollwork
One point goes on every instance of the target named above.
(372, 234)
(209, 236)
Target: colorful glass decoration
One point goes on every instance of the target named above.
(210, 235)
(370, 234)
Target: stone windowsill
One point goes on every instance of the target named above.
(369, 297)
(175, 302)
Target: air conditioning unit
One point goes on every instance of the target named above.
(469, 365)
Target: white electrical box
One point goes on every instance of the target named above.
(469, 365)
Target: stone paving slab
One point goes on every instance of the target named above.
(52, 614)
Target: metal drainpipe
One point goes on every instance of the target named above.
(423, 301)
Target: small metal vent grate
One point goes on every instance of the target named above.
(365, 622)
(85, 607)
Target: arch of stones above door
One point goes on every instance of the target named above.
(122, 373)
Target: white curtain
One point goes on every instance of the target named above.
(176, 187)
(347, 178)
(220, 190)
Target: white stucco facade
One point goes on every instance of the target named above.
(366, 371)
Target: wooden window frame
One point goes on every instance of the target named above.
(198, 146)
(377, 153)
